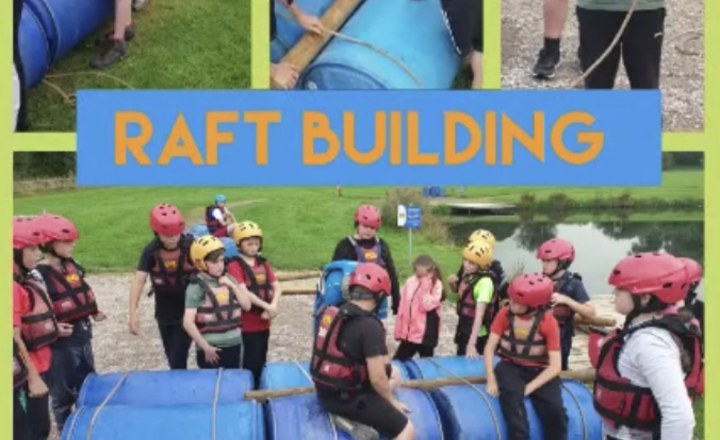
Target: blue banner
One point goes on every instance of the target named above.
(263, 138)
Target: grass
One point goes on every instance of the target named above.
(180, 44)
(699, 409)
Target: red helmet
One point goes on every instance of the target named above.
(533, 290)
(26, 232)
(372, 277)
(693, 268)
(661, 275)
(556, 249)
(368, 215)
(166, 220)
(57, 228)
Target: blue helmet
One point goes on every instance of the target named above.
(220, 198)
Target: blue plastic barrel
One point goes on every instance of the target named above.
(236, 421)
(283, 375)
(34, 48)
(288, 31)
(67, 23)
(199, 230)
(230, 247)
(412, 32)
(470, 413)
(302, 418)
(173, 387)
(426, 369)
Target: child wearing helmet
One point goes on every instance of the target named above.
(73, 302)
(649, 371)
(366, 247)
(166, 261)
(477, 301)
(496, 270)
(528, 340)
(253, 273)
(214, 303)
(218, 217)
(570, 296)
(350, 362)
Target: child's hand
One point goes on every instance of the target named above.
(65, 329)
(225, 281)
(491, 387)
(212, 355)
(558, 298)
(37, 387)
(452, 279)
(99, 317)
(471, 352)
(311, 24)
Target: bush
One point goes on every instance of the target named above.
(433, 226)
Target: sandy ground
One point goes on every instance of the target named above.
(682, 69)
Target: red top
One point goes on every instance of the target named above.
(21, 305)
(548, 329)
(251, 321)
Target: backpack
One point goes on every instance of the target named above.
(332, 287)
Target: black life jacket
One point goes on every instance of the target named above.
(562, 312)
(38, 327)
(522, 342)
(172, 269)
(466, 304)
(259, 280)
(71, 296)
(216, 315)
(210, 221)
(371, 255)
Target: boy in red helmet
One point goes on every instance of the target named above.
(74, 303)
(649, 371)
(166, 261)
(350, 366)
(570, 296)
(366, 247)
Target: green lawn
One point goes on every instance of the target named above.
(180, 44)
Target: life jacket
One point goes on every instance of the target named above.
(332, 287)
(38, 327)
(259, 280)
(562, 312)
(71, 297)
(330, 367)
(372, 255)
(20, 373)
(172, 269)
(212, 223)
(522, 341)
(218, 313)
(466, 305)
(621, 403)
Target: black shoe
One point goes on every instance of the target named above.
(112, 53)
(546, 64)
(129, 35)
(356, 430)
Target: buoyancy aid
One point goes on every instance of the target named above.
(371, 255)
(330, 367)
(38, 327)
(218, 312)
(258, 280)
(621, 403)
(562, 312)
(210, 221)
(522, 341)
(172, 269)
(71, 297)
(467, 306)
(20, 373)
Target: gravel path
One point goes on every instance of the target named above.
(682, 80)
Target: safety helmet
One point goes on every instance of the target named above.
(26, 233)
(483, 234)
(661, 275)
(556, 249)
(693, 268)
(372, 277)
(479, 252)
(166, 220)
(220, 198)
(533, 290)
(57, 228)
(369, 216)
(201, 248)
(244, 230)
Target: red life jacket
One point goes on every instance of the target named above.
(372, 255)
(218, 313)
(466, 305)
(259, 280)
(169, 275)
(20, 374)
(621, 403)
(330, 367)
(522, 342)
(38, 327)
(71, 296)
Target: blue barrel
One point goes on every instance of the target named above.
(283, 375)
(412, 32)
(34, 48)
(235, 421)
(164, 388)
(302, 418)
(469, 413)
(426, 369)
(69, 22)
(199, 230)
(230, 247)
(288, 31)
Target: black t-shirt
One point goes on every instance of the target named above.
(571, 285)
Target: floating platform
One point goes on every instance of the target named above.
(478, 208)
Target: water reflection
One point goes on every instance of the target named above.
(598, 245)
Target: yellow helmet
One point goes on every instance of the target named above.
(485, 235)
(201, 248)
(244, 230)
(479, 252)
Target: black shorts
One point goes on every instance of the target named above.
(368, 408)
(464, 19)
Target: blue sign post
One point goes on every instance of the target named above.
(410, 218)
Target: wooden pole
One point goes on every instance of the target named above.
(294, 276)
(596, 321)
(585, 376)
(297, 291)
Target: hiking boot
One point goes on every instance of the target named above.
(129, 35)
(546, 64)
(113, 52)
(356, 430)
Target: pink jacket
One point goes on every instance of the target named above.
(417, 298)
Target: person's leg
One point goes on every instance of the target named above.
(698, 309)
(548, 404)
(62, 396)
(201, 362)
(38, 414)
(511, 386)
(371, 410)
(555, 14)
(565, 349)
(21, 123)
(426, 351)
(406, 350)
(597, 30)
(20, 421)
(115, 48)
(230, 357)
(462, 20)
(253, 358)
(642, 48)
(166, 337)
(480, 344)
(180, 348)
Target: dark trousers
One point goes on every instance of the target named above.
(565, 348)
(229, 358)
(22, 114)
(176, 343)
(640, 47)
(406, 350)
(20, 422)
(72, 362)
(546, 400)
(479, 346)
(38, 413)
(698, 309)
(255, 350)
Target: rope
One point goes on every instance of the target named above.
(69, 98)
(215, 401)
(580, 410)
(305, 373)
(105, 402)
(478, 390)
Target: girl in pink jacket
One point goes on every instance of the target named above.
(417, 325)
